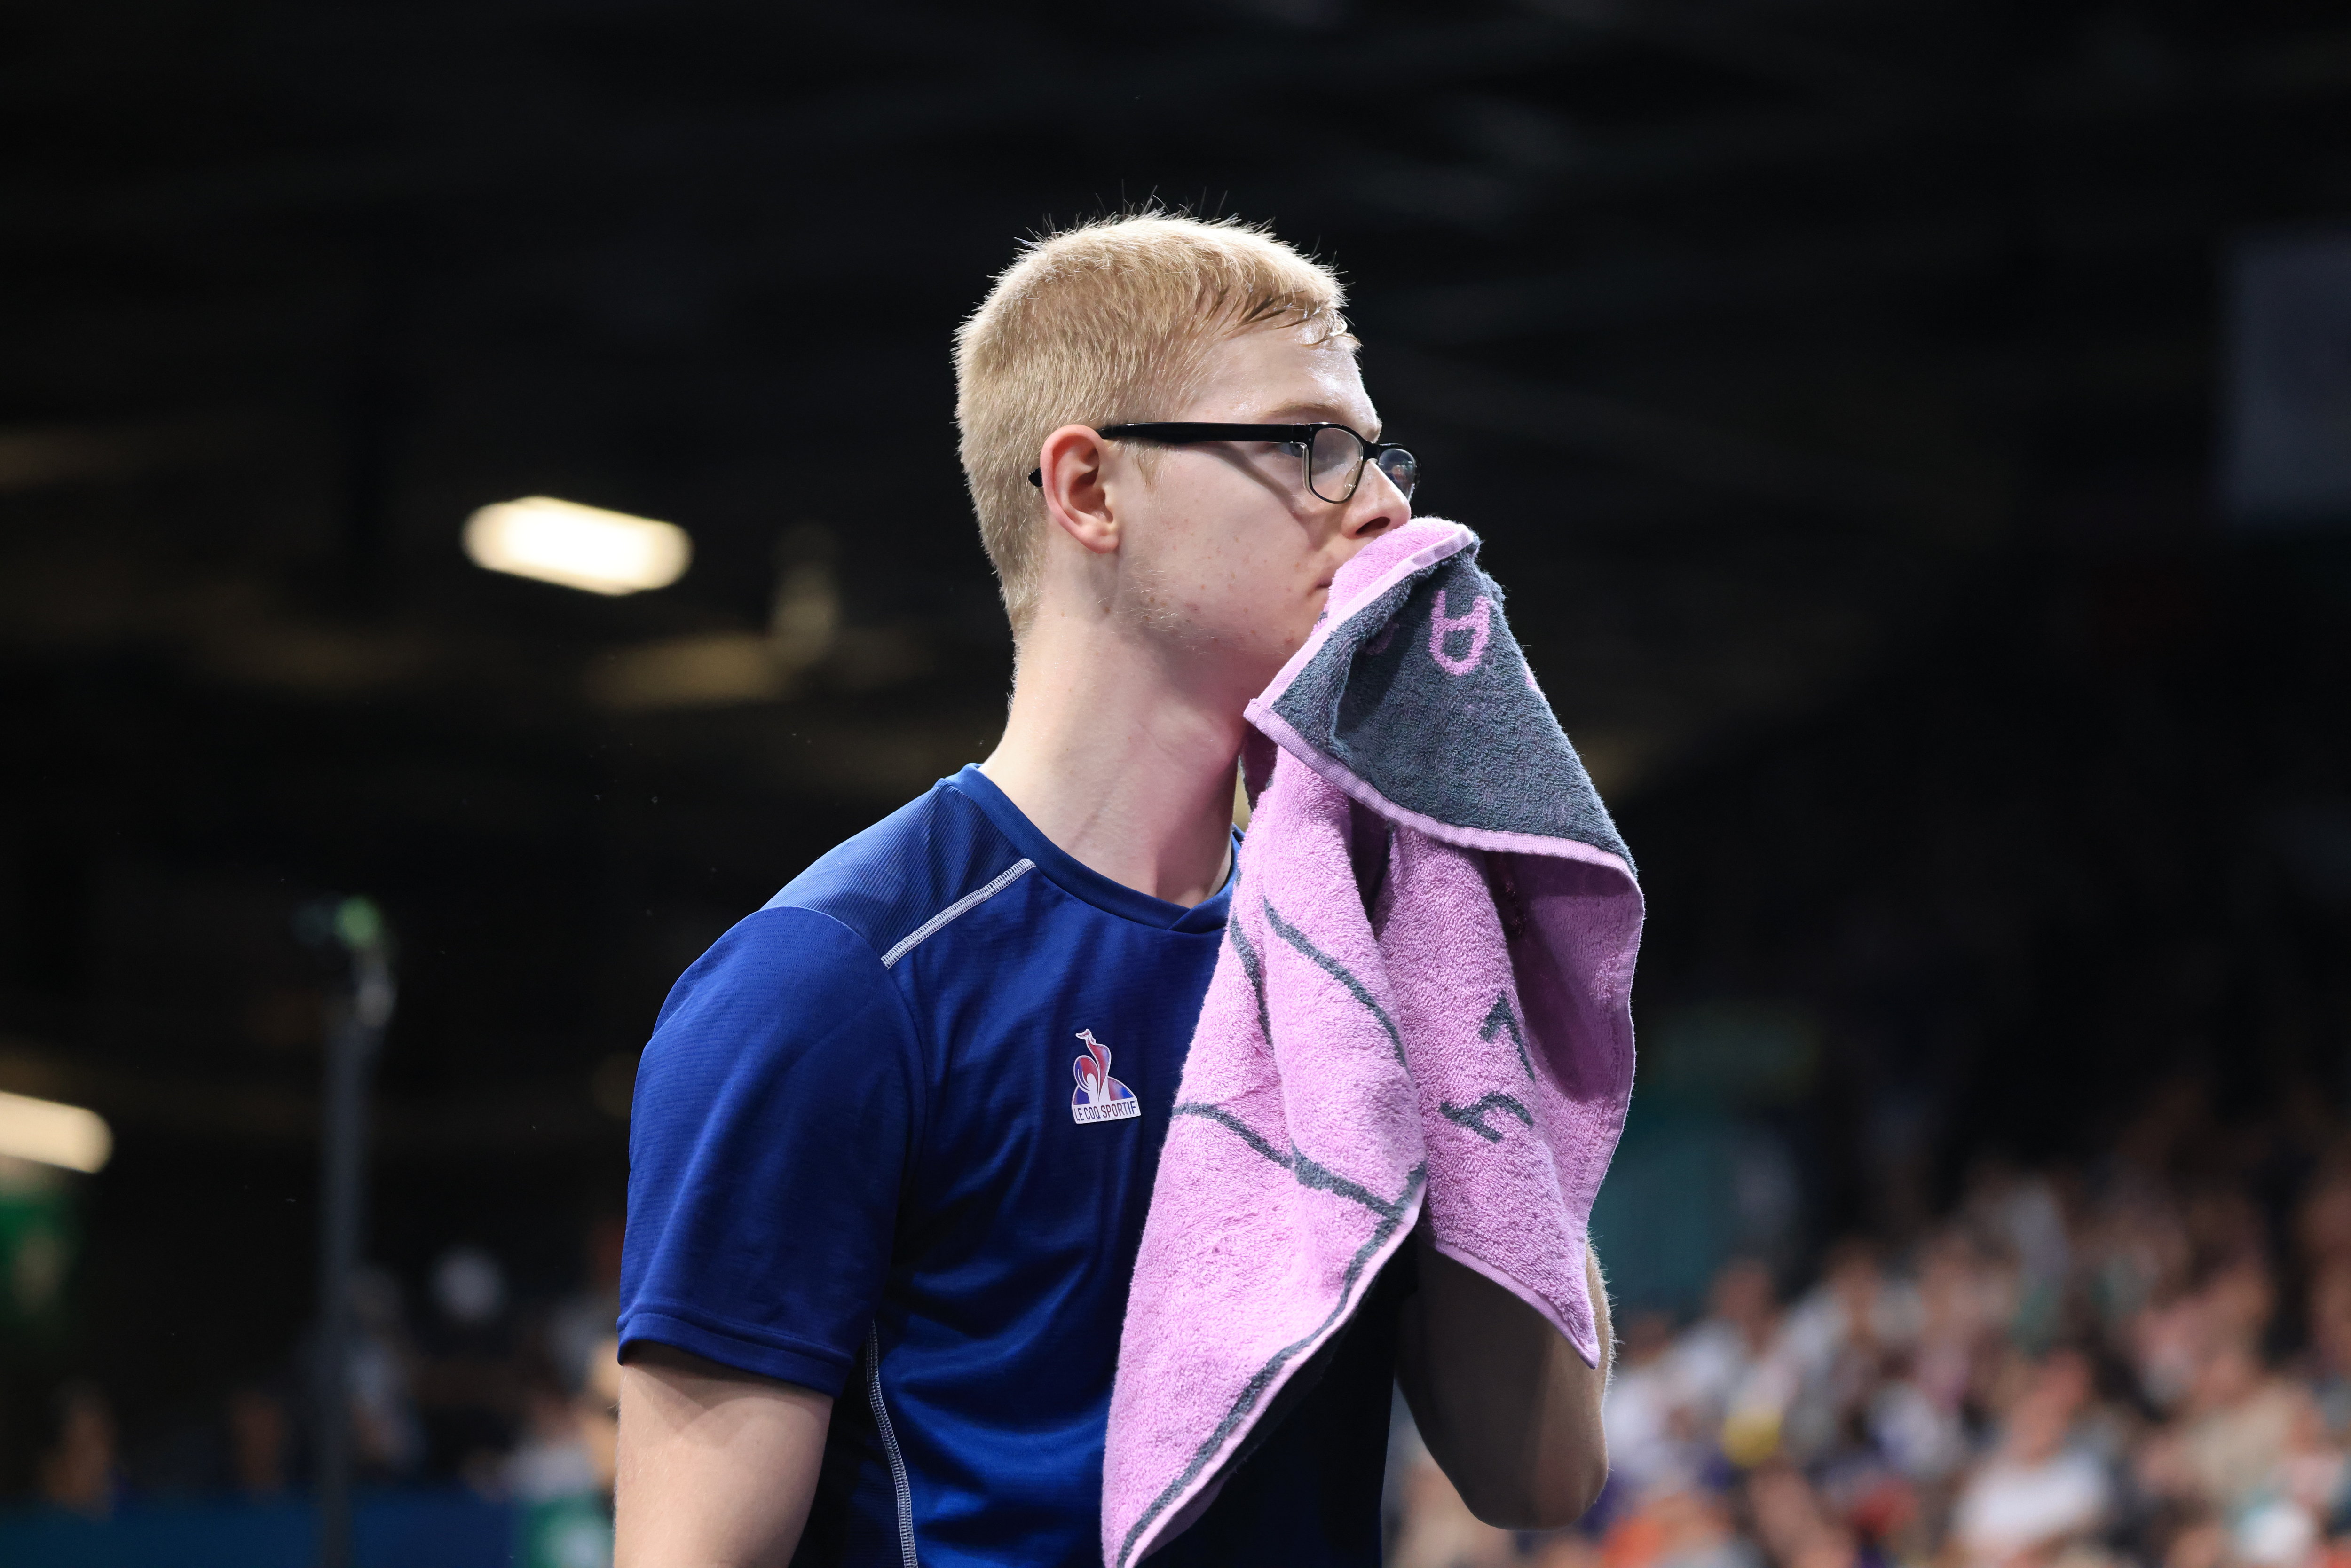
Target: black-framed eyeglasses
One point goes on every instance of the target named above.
(1332, 456)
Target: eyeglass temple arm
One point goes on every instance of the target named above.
(1178, 432)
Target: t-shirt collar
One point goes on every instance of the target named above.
(1084, 881)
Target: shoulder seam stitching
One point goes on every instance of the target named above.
(964, 905)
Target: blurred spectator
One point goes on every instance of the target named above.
(259, 1432)
(389, 1439)
(1654, 1439)
(2228, 1451)
(570, 1440)
(553, 1459)
(2037, 1492)
(1675, 1527)
(469, 1286)
(2330, 1339)
(471, 1374)
(2020, 1219)
(1438, 1528)
(582, 1321)
(599, 1408)
(1733, 1371)
(1791, 1524)
(1837, 1343)
(79, 1469)
(2323, 1225)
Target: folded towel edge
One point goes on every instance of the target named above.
(1283, 734)
(1586, 1343)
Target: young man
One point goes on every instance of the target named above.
(879, 1245)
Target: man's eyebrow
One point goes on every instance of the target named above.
(1315, 413)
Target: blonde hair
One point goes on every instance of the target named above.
(1108, 323)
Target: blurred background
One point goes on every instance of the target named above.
(1918, 436)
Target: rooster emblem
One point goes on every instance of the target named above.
(1099, 1097)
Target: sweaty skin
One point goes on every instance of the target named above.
(1174, 587)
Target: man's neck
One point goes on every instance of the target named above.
(1118, 761)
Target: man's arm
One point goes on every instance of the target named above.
(716, 1467)
(1507, 1408)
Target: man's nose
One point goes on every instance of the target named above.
(1377, 506)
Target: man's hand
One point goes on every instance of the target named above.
(716, 1466)
(1507, 1408)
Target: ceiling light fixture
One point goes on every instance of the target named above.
(53, 1134)
(577, 547)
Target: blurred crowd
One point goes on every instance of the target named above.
(2139, 1361)
(458, 1381)
(2143, 1362)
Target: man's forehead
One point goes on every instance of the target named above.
(1277, 377)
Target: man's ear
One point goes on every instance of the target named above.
(1070, 472)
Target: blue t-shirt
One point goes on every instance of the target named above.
(894, 1140)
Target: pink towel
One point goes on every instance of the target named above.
(1422, 1007)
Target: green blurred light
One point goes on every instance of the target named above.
(359, 924)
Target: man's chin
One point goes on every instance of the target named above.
(1280, 653)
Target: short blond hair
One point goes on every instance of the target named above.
(1108, 323)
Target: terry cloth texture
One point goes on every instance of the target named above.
(1422, 1004)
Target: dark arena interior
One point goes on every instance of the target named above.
(1917, 439)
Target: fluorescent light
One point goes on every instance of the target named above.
(53, 1134)
(579, 547)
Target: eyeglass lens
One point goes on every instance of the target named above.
(1402, 468)
(1334, 464)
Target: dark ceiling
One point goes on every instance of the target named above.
(1771, 343)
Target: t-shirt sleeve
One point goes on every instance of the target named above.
(776, 1106)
